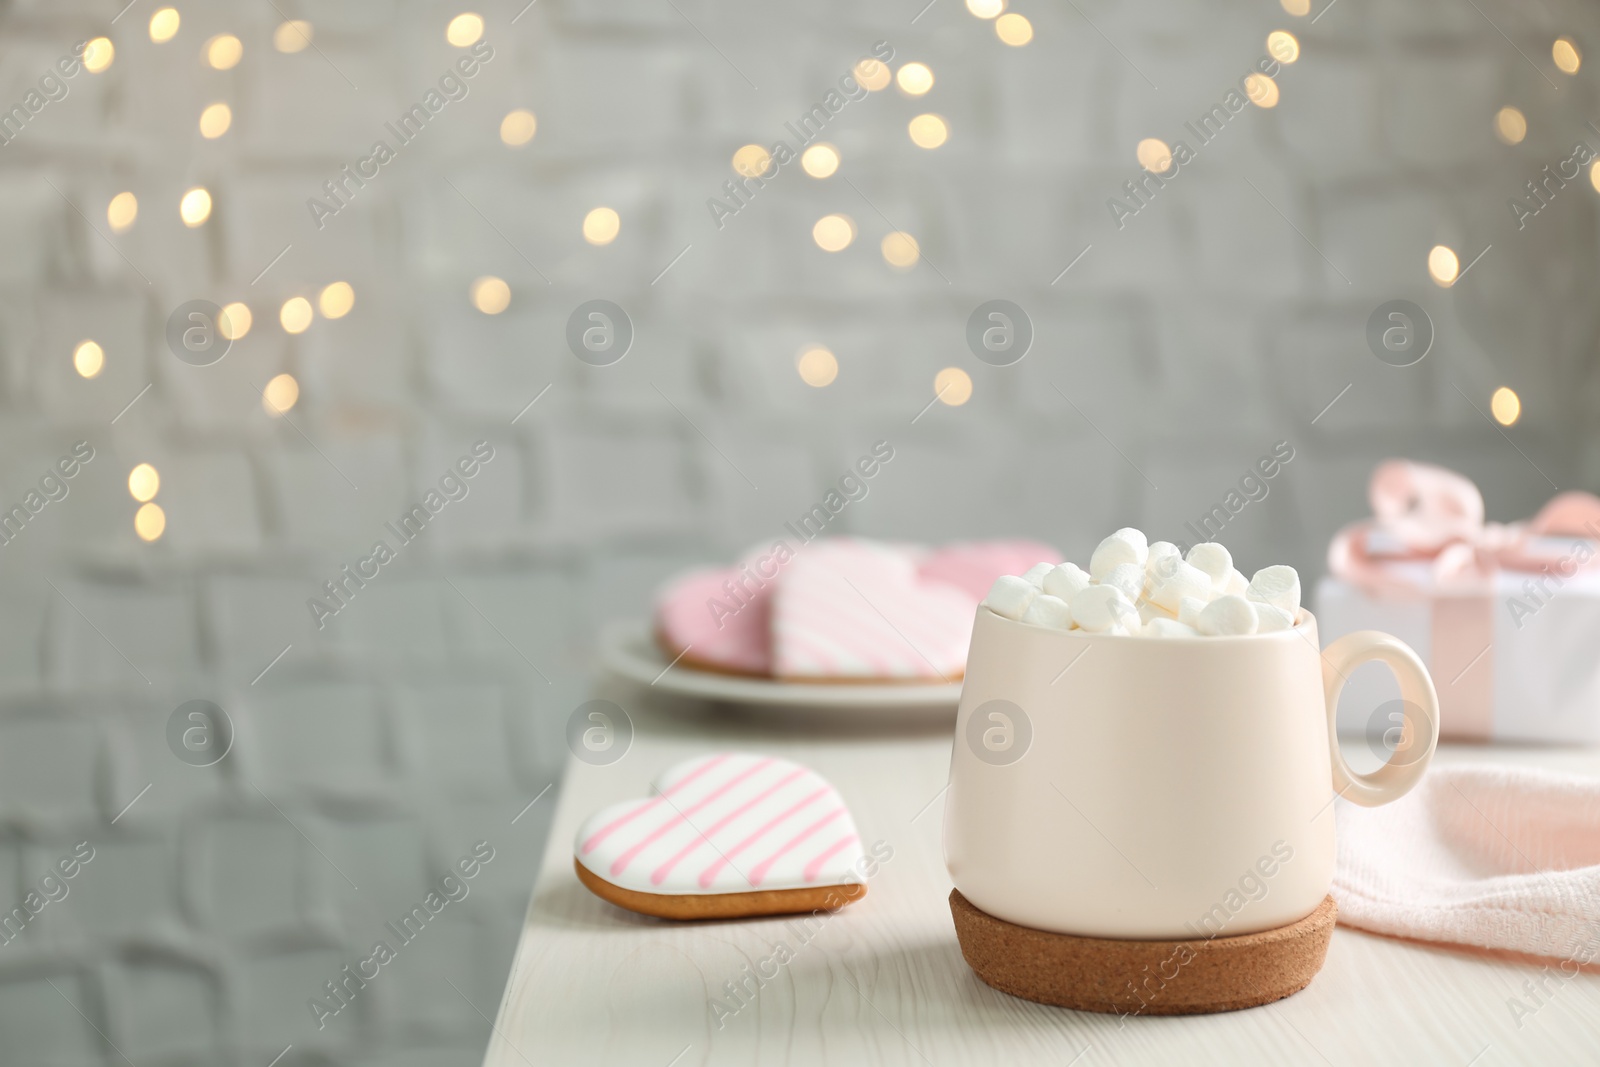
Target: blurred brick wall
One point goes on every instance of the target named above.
(1222, 319)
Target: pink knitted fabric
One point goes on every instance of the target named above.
(1494, 856)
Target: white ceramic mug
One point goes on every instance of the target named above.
(1130, 787)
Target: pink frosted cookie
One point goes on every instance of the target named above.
(972, 566)
(699, 622)
(725, 836)
(858, 610)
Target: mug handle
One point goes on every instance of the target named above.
(1421, 711)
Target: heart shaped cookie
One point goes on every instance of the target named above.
(724, 836)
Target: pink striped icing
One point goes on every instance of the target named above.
(728, 823)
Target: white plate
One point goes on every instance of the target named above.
(628, 650)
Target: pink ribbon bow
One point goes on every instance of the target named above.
(1428, 515)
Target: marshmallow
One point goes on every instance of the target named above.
(1186, 580)
(1066, 581)
(1010, 596)
(1148, 611)
(1034, 575)
(1047, 610)
(1127, 545)
(1236, 583)
(1101, 608)
(1189, 609)
(1278, 586)
(1167, 628)
(1214, 560)
(1128, 577)
(1270, 618)
(1227, 616)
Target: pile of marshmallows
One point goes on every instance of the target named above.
(1138, 589)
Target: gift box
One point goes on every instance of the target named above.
(1507, 616)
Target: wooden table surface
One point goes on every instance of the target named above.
(883, 980)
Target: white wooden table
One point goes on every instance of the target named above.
(883, 981)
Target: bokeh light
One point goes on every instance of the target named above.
(215, 120)
(1283, 46)
(518, 127)
(1154, 155)
(928, 131)
(833, 233)
(601, 226)
(1262, 90)
(464, 29)
(1505, 405)
(292, 36)
(164, 25)
(490, 295)
(953, 386)
(986, 9)
(817, 366)
(280, 394)
(336, 300)
(820, 160)
(98, 54)
(195, 207)
(1443, 265)
(1566, 55)
(1013, 29)
(143, 482)
(295, 315)
(88, 359)
(149, 522)
(1298, 8)
(752, 161)
(900, 250)
(1510, 125)
(234, 321)
(872, 75)
(914, 79)
(122, 211)
(224, 51)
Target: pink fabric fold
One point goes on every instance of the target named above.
(1490, 856)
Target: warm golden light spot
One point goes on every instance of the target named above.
(490, 295)
(986, 9)
(833, 233)
(1013, 29)
(280, 394)
(601, 226)
(122, 210)
(817, 366)
(1296, 7)
(233, 321)
(518, 127)
(88, 359)
(914, 79)
(143, 482)
(900, 250)
(1283, 46)
(464, 29)
(1505, 406)
(820, 160)
(195, 207)
(149, 522)
(1510, 125)
(953, 386)
(164, 25)
(928, 131)
(215, 120)
(1443, 266)
(752, 161)
(224, 51)
(292, 36)
(336, 300)
(98, 54)
(1594, 175)
(872, 75)
(295, 315)
(1154, 155)
(1262, 90)
(1565, 53)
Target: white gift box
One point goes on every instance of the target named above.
(1532, 675)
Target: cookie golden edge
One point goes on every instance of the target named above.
(689, 906)
(687, 658)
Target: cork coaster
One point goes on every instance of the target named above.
(1144, 977)
(722, 905)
